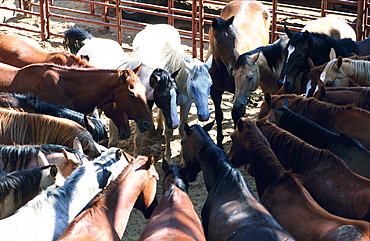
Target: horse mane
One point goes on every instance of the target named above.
(24, 184)
(359, 70)
(179, 179)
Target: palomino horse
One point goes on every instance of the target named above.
(25, 128)
(349, 120)
(55, 208)
(19, 51)
(174, 218)
(317, 47)
(108, 213)
(159, 46)
(16, 158)
(328, 179)
(358, 96)
(231, 211)
(348, 149)
(345, 72)
(243, 26)
(19, 187)
(282, 193)
(31, 103)
(115, 91)
(263, 69)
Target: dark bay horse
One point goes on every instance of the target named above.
(282, 193)
(231, 211)
(18, 187)
(107, 214)
(358, 96)
(174, 218)
(31, 103)
(242, 26)
(349, 120)
(317, 47)
(21, 157)
(115, 91)
(348, 149)
(19, 51)
(328, 179)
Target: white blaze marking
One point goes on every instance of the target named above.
(323, 76)
(291, 49)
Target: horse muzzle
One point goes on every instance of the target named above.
(144, 125)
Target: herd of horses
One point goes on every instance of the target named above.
(308, 150)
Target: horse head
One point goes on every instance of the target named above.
(174, 175)
(199, 85)
(222, 39)
(334, 75)
(165, 95)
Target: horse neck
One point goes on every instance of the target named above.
(358, 71)
(172, 58)
(17, 157)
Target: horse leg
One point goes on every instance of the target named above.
(216, 96)
(160, 121)
(138, 139)
(113, 134)
(184, 114)
(168, 133)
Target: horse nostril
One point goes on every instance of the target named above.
(203, 117)
(146, 124)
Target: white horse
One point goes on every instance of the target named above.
(159, 45)
(47, 215)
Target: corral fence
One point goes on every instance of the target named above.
(197, 14)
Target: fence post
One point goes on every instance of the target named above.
(360, 19)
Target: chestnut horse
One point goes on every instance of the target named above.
(358, 96)
(282, 193)
(231, 211)
(18, 187)
(243, 26)
(174, 218)
(115, 91)
(19, 51)
(328, 179)
(348, 149)
(107, 214)
(25, 128)
(349, 120)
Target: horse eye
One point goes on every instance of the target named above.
(132, 95)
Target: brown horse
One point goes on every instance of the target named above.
(27, 128)
(282, 193)
(231, 211)
(349, 120)
(174, 218)
(243, 26)
(358, 96)
(19, 51)
(115, 91)
(108, 213)
(328, 179)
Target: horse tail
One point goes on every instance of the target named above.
(74, 37)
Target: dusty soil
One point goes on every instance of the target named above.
(151, 144)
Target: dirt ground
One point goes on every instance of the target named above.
(151, 144)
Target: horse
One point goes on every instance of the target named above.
(112, 207)
(174, 218)
(358, 96)
(164, 51)
(260, 67)
(52, 210)
(242, 26)
(19, 187)
(326, 177)
(356, 157)
(332, 26)
(231, 210)
(115, 91)
(344, 72)
(21, 157)
(282, 193)
(348, 120)
(31, 103)
(19, 51)
(317, 47)
(25, 128)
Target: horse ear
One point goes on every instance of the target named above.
(285, 102)
(209, 126)
(332, 54)
(255, 57)
(310, 63)
(69, 156)
(187, 129)
(288, 32)
(209, 61)
(230, 20)
(322, 92)
(268, 98)
(165, 166)
(77, 145)
(239, 124)
(53, 170)
(271, 116)
(214, 22)
(118, 154)
(174, 74)
(151, 160)
(153, 80)
(137, 69)
(339, 62)
(305, 35)
(41, 159)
